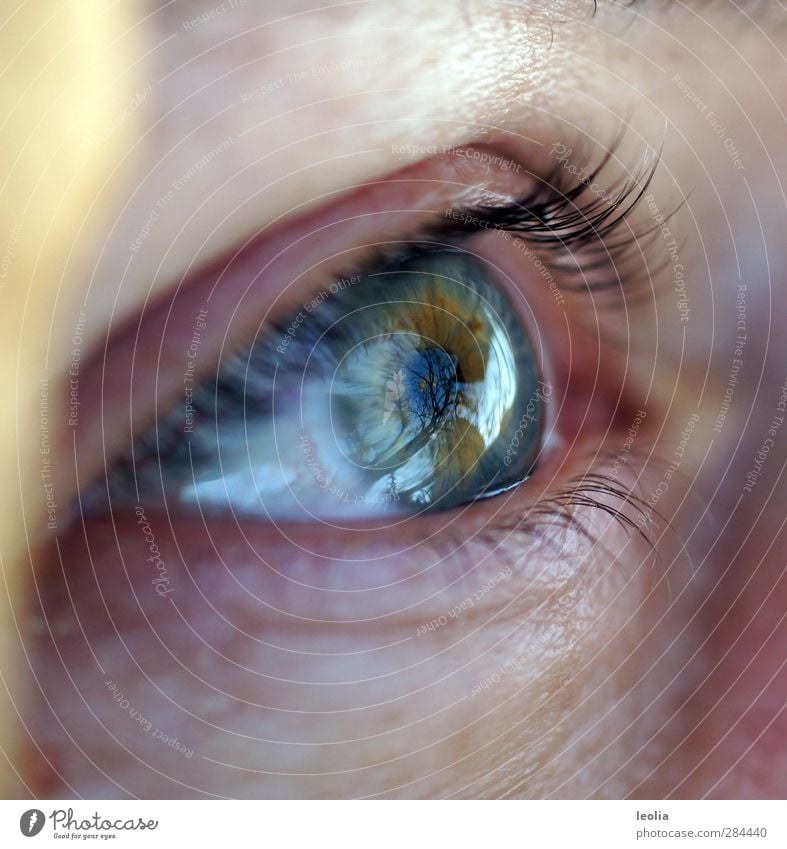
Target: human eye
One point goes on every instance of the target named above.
(417, 380)
(374, 428)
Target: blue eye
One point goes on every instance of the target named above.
(412, 388)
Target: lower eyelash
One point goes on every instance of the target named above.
(566, 510)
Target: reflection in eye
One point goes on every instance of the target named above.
(411, 388)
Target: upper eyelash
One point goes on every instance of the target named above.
(554, 217)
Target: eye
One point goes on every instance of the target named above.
(384, 378)
(412, 387)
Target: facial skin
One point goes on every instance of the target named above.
(311, 661)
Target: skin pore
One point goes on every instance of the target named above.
(298, 662)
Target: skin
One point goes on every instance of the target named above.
(295, 662)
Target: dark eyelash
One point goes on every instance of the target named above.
(581, 229)
(585, 228)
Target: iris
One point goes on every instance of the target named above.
(408, 388)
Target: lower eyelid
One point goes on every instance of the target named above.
(305, 576)
(225, 647)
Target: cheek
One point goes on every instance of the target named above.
(188, 688)
(173, 666)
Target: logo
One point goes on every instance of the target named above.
(31, 822)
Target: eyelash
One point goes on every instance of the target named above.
(582, 234)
